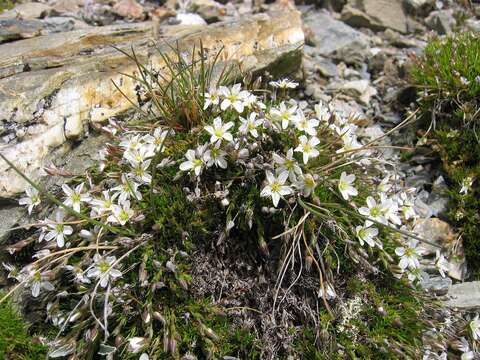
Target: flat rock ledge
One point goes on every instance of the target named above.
(464, 296)
(52, 86)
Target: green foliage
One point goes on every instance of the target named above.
(448, 73)
(449, 76)
(389, 324)
(15, 342)
(5, 5)
(177, 90)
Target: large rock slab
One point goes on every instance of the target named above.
(464, 296)
(52, 86)
(332, 36)
(376, 14)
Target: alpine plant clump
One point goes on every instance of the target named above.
(111, 258)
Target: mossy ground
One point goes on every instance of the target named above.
(15, 341)
(448, 76)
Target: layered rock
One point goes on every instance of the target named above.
(52, 86)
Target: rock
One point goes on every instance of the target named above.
(473, 25)
(70, 7)
(359, 89)
(375, 14)
(442, 21)
(442, 234)
(464, 296)
(13, 29)
(10, 215)
(189, 19)
(419, 7)
(209, 10)
(129, 9)
(59, 24)
(436, 231)
(161, 13)
(436, 284)
(326, 67)
(71, 73)
(331, 36)
(27, 11)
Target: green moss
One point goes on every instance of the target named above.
(15, 341)
(5, 5)
(449, 76)
(388, 324)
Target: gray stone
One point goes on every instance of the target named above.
(359, 89)
(331, 36)
(209, 10)
(10, 215)
(376, 14)
(436, 284)
(13, 29)
(442, 21)
(464, 296)
(326, 67)
(436, 231)
(473, 25)
(419, 7)
(26, 11)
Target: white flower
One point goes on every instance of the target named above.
(251, 101)
(330, 292)
(406, 206)
(56, 230)
(144, 356)
(284, 84)
(101, 206)
(250, 124)
(366, 234)
(349, 144)
(307, 126)
(135, 344)
(345, 185)
(140, 172)
(307, 147)
(322, 112)
(468, 355)
(409, 255)
(288, 164)
(441, 264)
(39, 281)
(219, 131)
(102, 269)
(140, 154)
(416, 274)
(466, 185)
(215, 156)
(79, 275)
(31, 200)
(131, 143)
(306, 183)
(384, 186)
(211, 98)
(127, 189)
(373, 211)
(474, 326)
(233, 97)
(390, 210)
(75, 196)
(195, 160)
(121, 214)
(157, 139)
(275, 187)
(283, 115)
